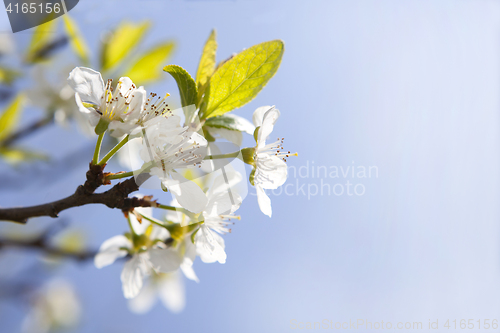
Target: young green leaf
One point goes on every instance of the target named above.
(186, 84)
(240, 79)
(19, 155)
(7, 75)
(148, 67)
(231, 122)
(123, 40)
(206, 66)
(42, 38)
(10, 117)
(76, 39)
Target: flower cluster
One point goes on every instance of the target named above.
(202, 207)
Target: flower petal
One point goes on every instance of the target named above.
(264, 201)
(140, 228)
(172, 292)
(210, 246)
(92, 115)
(270, 118)
(235, 137)
(271, 171)
(164, 260)
(258, 115)
(188, 193)
(187, 269)
(133, 274)
(87, 83)
(111, 250)
(144, 301)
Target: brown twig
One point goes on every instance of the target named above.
(41, 245)
(116, 197)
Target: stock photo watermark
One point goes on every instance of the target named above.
(311, 180)
(430, 324)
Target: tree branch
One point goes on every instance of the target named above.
(41, 245)
(27, 131)
(116, 197)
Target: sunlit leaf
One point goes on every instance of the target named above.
(10, 117)
(43, 42)
(186, 84)
(241, 78)
(121, 42)
(231, 122)
(19, 155)
(76, 39)
(7, 76)
(148, 67)
(206, 66)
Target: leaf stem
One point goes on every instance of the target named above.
(130, 225)
(144, 169)
(120, 175)
(221, 156)
(177, 209)
(113, 151)
(152, 220)
(97, 148)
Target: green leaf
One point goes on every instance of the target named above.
(206, 66)
(231, 122)
(119, 44)
(10, 117)
(148, 67)
(186, 84)
(241, 78)
(41, 41)
(76, 39)
(7, 75)
(19, 155)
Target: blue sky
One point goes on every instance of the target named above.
(411, 87)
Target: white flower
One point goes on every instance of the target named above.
(56, 306)
(138, 117)
(103, 102)
(148, 256)
(270, 166)
(222, 203)
(169, 288)
(169, 147)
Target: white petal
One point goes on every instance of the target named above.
(243, 124)
(124, 85)
(172, 292)
(210, 246)
(140, 228)
(264, 201)
(270, 118)
(188, 193)
(87, 83)
(174, 216)
(187, 269)
(110, 251)
(159, 233)
(133, 274)
(144, 301)
(258, 115)
(271, 171)
(164, 260)
(223, 196)
(92, 116)
(232, 136)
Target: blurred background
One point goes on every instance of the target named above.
(407, 89)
